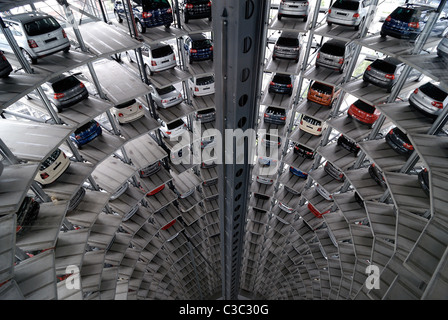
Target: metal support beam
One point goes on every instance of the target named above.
(239, 29)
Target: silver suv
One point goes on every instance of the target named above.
(348, 12)
(287, 46)
(335, 54)
(37, 35)
(293, 8)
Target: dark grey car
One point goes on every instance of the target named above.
(5, 66)
(205, 115)
(287, 46)
(334, 54)
(275, 115)
(384, 73)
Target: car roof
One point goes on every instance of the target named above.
(26, 16)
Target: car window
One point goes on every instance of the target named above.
(333, 49)
(205, 80)
(175, 124)
(433, 91)
(65, 84)
(198, 1)
(202, 44)
(41, 26)
(383, 66)
(288, 42)
(283, 79)
(125, 104)
(364, 106)
(347, 5)
(15, 29)
(155, 4)
(162, 51)
(165, 90)
(85, 127)
(403, 14)
(52, 158)
(322, 87)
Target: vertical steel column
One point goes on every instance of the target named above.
(238, 28)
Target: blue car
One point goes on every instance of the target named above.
(281, 83)
(198, 47)
(407, 22)
(86, 133)
(298, 172)
(147, 13)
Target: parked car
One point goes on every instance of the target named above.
(348, 144)
(202, 85)
(363, 112)
(159, 57)
(408, 20)
(76, 199)
(322, 93)
(442, 47)
(275, 115)
(334, 172)
(350, 13)
(205, 115)
(287, 46)
(377, 175)
(147, 13)
(285, 207)
(315, 211)
(281, 83)
(384, 73)
(52, 167)
(399, 141)
(303, 151)
(165, 97)
(293, 8)
(5, 66)
(197, 9)
(297, 172)
(172, 129)
(149, 170)
(130, 213)
(26, 215)
(423, 179)
(128, 111)
(334, 54)
(63, 92)
(37, 34)
(324, 193)
(428, 98)
(198, 47)
(271, 140)
(86, 133)
(311, 125)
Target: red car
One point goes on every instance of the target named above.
(363, 112)
(316, 212)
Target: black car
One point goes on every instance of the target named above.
(26, 215)
(303, 151)
(275, 115)
(281, 83)
(399, 141)
(423, 178)
(377, 175)
(5, 66)
(348, 144)
(198, 47)
(197, 9)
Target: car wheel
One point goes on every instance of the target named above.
(210, 18)
(128, 56)
(117, 16)
(329, 23)
(382, 34)
(359, 25)
(186, 18)
(140, 27)
(55, 108)
(168, 25)
(148, 70)
(305, 18)
(279, 17)
(28, 57)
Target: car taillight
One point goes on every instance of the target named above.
(329, 10)
(414, 25)
(59, 95)
(169, 10)
(32, 43)
(82, 85)
(369, 68)
(120, 114)
(388, 18)
(390, 76)
(408, 146)
(189, 6)
(193, 51)
(356, 15)
(209, 4)
(44, 175)
(140, 107)
(416, 91)
(146, 14)
(437, 104)
(196, 89)
(63, 153)
(153, 63)
(64, 34)
(168, 132)
(341, 61)
(391, 131)
(169, 225)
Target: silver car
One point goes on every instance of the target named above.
(442, 47)
(287, 46)
(166, 97)
(293, 8)
(37, 35)
(334, 54)
(348, 12)
(428, 99)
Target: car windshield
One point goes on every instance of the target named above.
(206, 111)
(402, 14)
(400, 134)
(347, 5)
(318, 86)
(198, 1)
(85, 127)
(275, 111)
(282, 79)
(288, 42)
(65, 84)
(205, 80)
(154, 4)
(433, 91)
(52, 158)
(125, 104)
(175, 124)
(202, 44)
(383, 66)
(311, 120)
(41, 26)
(364, 106)
(162, 51)
(333, 49)
(166, 90)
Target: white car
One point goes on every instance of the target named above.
(173, 129)
(166, 97)
(52, 167)
(202, 86)
(128, 111)
(158, 57)
(311, 125)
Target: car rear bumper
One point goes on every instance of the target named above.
(386, 83)
(42, 53)
(426, 109)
